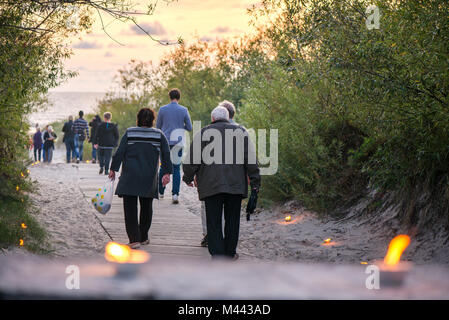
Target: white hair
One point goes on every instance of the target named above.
(228, 105)
(220, 113)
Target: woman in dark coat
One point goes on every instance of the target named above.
(138, 153)
(49, 143)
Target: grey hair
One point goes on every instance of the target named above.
(220, 113)
(228, 105)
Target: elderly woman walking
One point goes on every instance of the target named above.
(138, 153)
(49, 143)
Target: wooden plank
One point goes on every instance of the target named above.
(175, 231)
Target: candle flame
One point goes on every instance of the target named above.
(22, 175)
(116, 252)
(21, 242)
(288, 218)
(24, 226)
(328, 240)
(17, 188)
(395, 249)
(120, 253)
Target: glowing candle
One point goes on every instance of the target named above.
(392, 271)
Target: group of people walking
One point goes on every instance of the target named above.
(103, 136)
(149, 155)
(44, 144)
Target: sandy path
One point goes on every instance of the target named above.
(75, 231)
(68, 218)
(354, 239)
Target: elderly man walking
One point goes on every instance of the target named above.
(221, 157)
(231, 110)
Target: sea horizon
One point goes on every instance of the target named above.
(62, 104)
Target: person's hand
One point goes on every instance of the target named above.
(195, 182)
(96, 146)
(190, 184)
(165, 179)
(112, 175)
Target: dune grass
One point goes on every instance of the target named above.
(17, 223)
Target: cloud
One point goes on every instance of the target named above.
(155, 28)
(87, 45)
(206, 39)
(221, 30)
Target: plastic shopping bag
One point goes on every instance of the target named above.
(103, 199)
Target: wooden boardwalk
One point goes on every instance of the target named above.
(175, 231)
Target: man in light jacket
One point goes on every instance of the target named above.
(221, 157)
(174, 119)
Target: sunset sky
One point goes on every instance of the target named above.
(97, 57)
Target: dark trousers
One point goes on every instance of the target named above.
(70, 149)
(94, 152)
(104, 156)
(44, 154)
(137, 230)
(37, 153)
(217, 244)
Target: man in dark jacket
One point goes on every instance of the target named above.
(221, 157)
(105, 140)
(96, 121)
(69, 139)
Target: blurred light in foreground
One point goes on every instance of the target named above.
(119, 253)
(395, 249)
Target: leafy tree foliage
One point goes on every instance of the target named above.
(34, 39)
(355, 107)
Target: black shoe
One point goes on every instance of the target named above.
(106, 173)
(77, 161)
(204, 242)
(101, 171)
